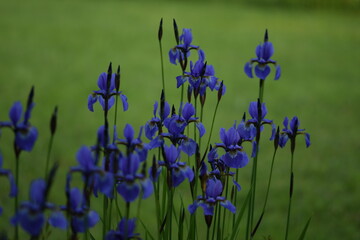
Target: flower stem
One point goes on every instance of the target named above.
(48, 156)
(212, 123)
(162, 67)
(16, 205)
(261, 90)
(290, 198)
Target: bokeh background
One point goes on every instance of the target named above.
(61, 47)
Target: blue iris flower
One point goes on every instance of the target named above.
(263, 52)
(214, 189)
(290, 132)
(129, 182)
(179, 52)
(179, 170)
(106, 93)
(133, 144)
(153, 125)
(81, 217)
(31, 214)
(234, 157)
(92, 174)
(25, 134)
(125, 230)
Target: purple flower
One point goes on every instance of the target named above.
(25, 134)
(125, 230)
(134, 144)
(234, 157)
(263, 52)
(31, 215)
(81, 218)
(182, 51)
(152, 126)
(92, 174)
(179, 170)
(105, 95)
(290, 132)
(129, 182)
(214, 189)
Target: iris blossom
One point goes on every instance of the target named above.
(234, 157)
(290, 133)
(31, 214)
(153, 125)
(107, 92)
(182, 51)
(125, 230)
(214, 189)
(25, 134)
(264, 53)
(81, 218)
(92, 174)
(129, 182)
(179, 170)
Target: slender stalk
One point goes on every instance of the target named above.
(215, 223)
(157, 207)
(269, 182)
(16, 205)
(105, 218)
(48, 156)
(226, 197)
(290, 198)
(207, 233)
(212, 123)
(261, 89)
(162, 66)
(127, 219)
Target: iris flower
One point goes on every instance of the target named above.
(125, 230)
(290, 132)
(264, 53)
(179, 52)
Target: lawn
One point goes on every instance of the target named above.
(61, 47)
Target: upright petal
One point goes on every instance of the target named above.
(26, 139)
(15, 113)
(37, 191)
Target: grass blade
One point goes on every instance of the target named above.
(303, 233)
(241, 213)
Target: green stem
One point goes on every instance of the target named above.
(105, 210)
(17, 153)
(162, 67)
(127, 219)
(261, 89)
(115, 117)
(48, 156)
(269, 182)
(290, 198)
(212, 123)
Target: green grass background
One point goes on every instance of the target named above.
(61, 47)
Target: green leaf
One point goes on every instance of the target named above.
(147, 231)
(91, 236)
(303, 233)
(241, 213)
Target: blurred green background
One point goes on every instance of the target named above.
(61, 47)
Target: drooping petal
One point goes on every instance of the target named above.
(235, 160)
(188, 146)
(181, 80)
(277, 72)
(192, 207)
(26, 139)
(173, 55)
(31, 222)
(91, 101)
(85, 158)
(208, 209)
(105, 184)
(129, 191)
(201, 128)
(177, 177)
(228, 205)
(248, 69)
(262, 71)
(124, 102)
(147, 188)
(58, 220)
(283, 140)
(307, 139)
(237, 185)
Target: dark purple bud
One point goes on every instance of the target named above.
(266, 37)
(202, 99)
(259, 112)
(173, 111)
(203, 70)
(176, 32)
(220, 92)
(232, 193)
(53, 121)
(196, 92)
(189, 91)
(197, 157)
(208, 220)
(117, 79)
(162, 104)
(154, 169)
(143, 170)
(277, 137)
(244, 116)
(30, 98)
(160, 32)
(109, 73)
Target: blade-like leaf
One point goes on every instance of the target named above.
(303, 233)
(241, 213)
(147, 231)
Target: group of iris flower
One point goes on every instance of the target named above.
(118, 165)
